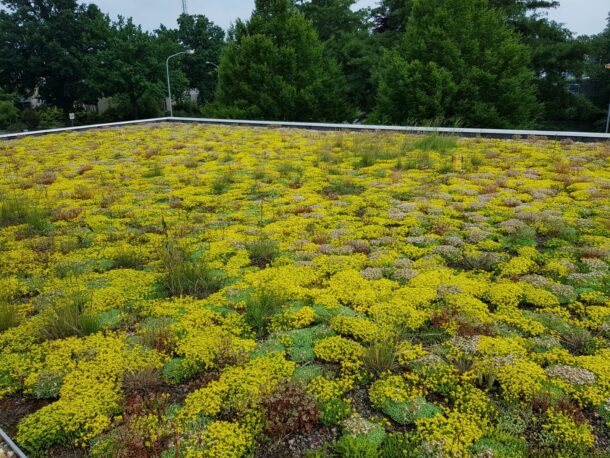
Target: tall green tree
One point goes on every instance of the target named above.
(131, 68)
(599, 83)
(458, 62)
(274, 67)
(557, 60)
(207, 39)
(346, 35)
(45, 46)
(333, 17)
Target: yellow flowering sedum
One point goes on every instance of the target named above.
(221, 439)
(239, 388)
(360, 261)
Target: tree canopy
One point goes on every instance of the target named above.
(46, 46)
(275, 68)
(495, 63)
(460, 63)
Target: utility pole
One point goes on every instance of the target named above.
(185, 9)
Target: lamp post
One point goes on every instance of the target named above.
(214, 64)
(169, 86)
(608, 119)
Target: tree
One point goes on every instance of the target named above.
(461, 61)
(517, 9)
(599, 83)
(347, 39)
(207, 39)
(557, 57)
(332, 17)
(198, 33)
(131, 67)
(45, 47)
(8, 110)
(391, 17)
(274, 67)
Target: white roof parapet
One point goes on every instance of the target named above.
(465, 132)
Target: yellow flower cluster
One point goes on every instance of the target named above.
(349, 288)
(360, 328)
(205, 337)
(520, 379)
(337, 349)
(393, 388)
(221, 439)
(566, 431)
(519, 266)
(451, 434)
(92, 370)
(290, 320)
(239, 388)
(325, 389)
(408, 352)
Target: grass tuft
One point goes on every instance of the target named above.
(187, 276)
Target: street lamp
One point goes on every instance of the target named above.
(214, 64)
(169, 86)
(608, 119)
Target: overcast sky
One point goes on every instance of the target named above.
(585, 17)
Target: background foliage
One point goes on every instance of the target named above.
(476, 63)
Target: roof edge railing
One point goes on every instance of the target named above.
(7, 440)
(464, 132)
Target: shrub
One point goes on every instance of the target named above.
(578, 341)
(380, 356)
(178, 371)
(342, 188)
(408, 412)
(262, 252)
(19, 210)
(222, 183)
(334, 411)
(9, 316)
(68, 318)
(51, 117)
(398, 445)
(156, 334)
(8, 114)
(185, 276)
(305, 374)
(261, 306)
(436, 142)
(356, 447)
(289, 409)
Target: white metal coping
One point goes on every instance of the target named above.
(7, 440)
(466, 132)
